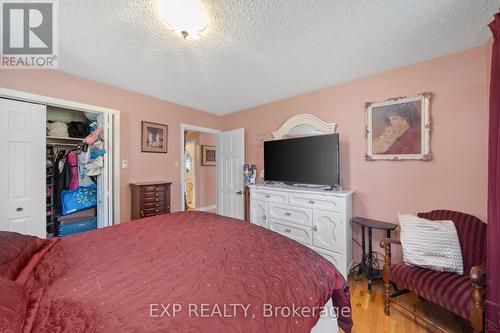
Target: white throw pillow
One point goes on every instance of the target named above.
(430, 244)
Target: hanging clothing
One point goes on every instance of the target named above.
(72, 162)
(94, 162)
(93, 137)
(85, 180)
(61, 177)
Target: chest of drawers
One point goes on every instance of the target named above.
(150, 199)
(315, 218)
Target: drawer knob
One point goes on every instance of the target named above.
(311, 202)
(268, 196)
(264, 217)
(288, 230)
(315, 228)
(156, 199)
(157, 194)
(288, 213)
(142, 213)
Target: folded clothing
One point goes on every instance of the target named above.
(77, 129)
(57, 128)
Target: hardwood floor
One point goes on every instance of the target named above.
(368, 313)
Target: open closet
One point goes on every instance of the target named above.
(61, 171)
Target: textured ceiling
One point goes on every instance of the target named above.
(259, 51)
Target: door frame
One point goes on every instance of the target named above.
(189, 127)
(113, 213)
(194, 169)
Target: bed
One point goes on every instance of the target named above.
(182, 272)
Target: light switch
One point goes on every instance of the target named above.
(125, 164)
(176, 164)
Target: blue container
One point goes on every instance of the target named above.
(74, 228)
(80, 199)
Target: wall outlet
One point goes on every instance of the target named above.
(125, 164)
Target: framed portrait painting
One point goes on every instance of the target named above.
(154, 138)
(207, 155)
(399, 129)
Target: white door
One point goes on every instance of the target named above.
(105, 216)
(258, 213)
(230, 157)
(22, 172)
(327, 227)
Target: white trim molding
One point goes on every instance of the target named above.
(206, 208)
(304, 124)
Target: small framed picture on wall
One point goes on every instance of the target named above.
(207, 155)
(399, 129)
(154, 138)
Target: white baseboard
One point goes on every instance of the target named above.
(206, 208)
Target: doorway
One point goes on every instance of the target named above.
(198, 176)
(32, 113)
(190, 163)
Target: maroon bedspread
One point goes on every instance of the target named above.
(182, 272)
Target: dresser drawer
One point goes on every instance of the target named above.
(301, 234)
(153, 199)
(154, 210)
(154, 214)
(153, 188)
(155, 204)
(316, 201)
(295, 215)
(270, 196)
(153, 193)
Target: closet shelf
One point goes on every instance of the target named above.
(64, 138)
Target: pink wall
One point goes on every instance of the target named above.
(205, 176)
(456, 178)
(133, 109)
(206, 181)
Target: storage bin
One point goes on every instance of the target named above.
(74, 228)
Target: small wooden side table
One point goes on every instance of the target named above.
(366, 266)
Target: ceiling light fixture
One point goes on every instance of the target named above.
(188, 17)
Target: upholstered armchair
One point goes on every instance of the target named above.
(460, 294)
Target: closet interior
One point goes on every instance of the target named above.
(75, 154)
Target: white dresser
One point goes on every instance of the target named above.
(316, 218)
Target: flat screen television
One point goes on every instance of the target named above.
(305, 160)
